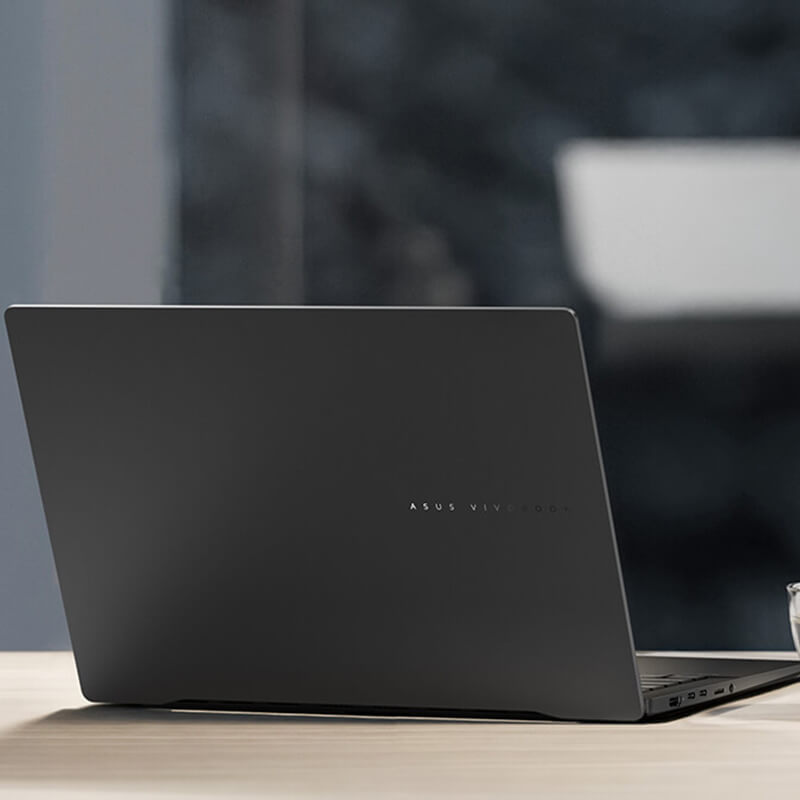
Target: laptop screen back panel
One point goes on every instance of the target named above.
(384, 508)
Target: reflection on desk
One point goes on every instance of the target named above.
(52, 743)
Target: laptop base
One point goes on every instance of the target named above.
(708, 680)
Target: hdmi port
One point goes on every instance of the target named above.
(719, 691)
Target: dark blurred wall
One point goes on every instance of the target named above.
(430, 128)
(422, 173)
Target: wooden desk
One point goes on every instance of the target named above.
(52, 743)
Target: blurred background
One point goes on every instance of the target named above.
(637, 161)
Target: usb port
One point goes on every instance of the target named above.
(703, 692)
(674, 702)
(719, 691)
(691, 695)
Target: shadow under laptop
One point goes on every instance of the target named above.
(783, 713)
(231, 750)
(101, 714)
(780, 711)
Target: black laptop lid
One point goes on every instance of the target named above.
(333, 507)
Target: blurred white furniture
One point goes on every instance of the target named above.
(664, 227)
(53, 744)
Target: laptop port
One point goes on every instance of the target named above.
(731, 688)
(703, 692)
(719, 691)
(690, 696)
(674, 702)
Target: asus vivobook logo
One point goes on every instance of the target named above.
(436, 507)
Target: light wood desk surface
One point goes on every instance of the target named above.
(54, 744)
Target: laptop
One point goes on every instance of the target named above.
(393, 511)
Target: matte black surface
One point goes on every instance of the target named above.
(228, 493)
